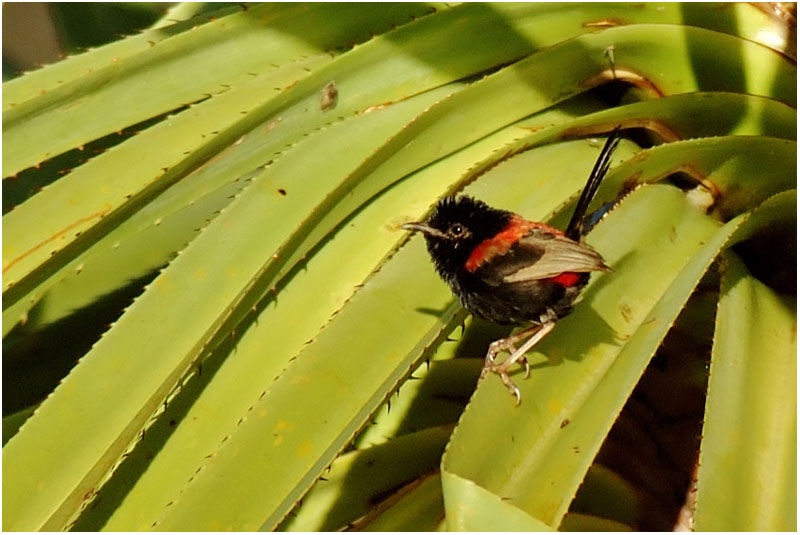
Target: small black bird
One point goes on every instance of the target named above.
(513, 271)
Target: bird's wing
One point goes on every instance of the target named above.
(554, 255)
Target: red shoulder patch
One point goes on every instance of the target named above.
(504, 240)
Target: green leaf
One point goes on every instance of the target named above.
(49, 124)
(415, 507)
(581, 522)
(359, 479)
(304, 440)
(13, 422)
(326, 344)
(537, 455)
(291, 308)
(435, 394)
(154, 364)
(540, 464)
(31, 84)
(284, 326)
(604, 493)
(639, 45)
(470, 507)
(747, 478)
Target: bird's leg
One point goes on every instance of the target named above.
(507, 344)
(534, 335)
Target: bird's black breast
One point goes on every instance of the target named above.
(515, 303)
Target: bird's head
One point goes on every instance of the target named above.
(455, 227)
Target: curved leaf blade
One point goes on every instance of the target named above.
(747, 476)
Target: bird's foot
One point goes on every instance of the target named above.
(502, 371)
(534, 335)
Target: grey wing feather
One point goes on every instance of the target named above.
(560, 255)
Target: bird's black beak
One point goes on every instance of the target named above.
(425, 229)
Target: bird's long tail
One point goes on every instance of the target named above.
(575, 228)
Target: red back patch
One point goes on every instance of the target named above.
(504, 240)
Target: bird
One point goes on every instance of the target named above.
(512, 271)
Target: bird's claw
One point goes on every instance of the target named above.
(502, 371)
(534, 334)
(508, 345)
(496, 347)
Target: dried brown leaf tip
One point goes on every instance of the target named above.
(329, 97)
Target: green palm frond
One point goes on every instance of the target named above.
(214, 321)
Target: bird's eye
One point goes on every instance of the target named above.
(457, 230)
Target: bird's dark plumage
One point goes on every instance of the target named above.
(511, 270)
(496, 287)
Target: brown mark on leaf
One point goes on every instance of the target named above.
(329, 96)
(632, 182)
(700, 177)
(603, 23)
(564, 423)
(625, 75)
(626, 312)
(531, 128)
(663, 131)
(710, 191)
(270, 126)
(98, 215)
(376, 107)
